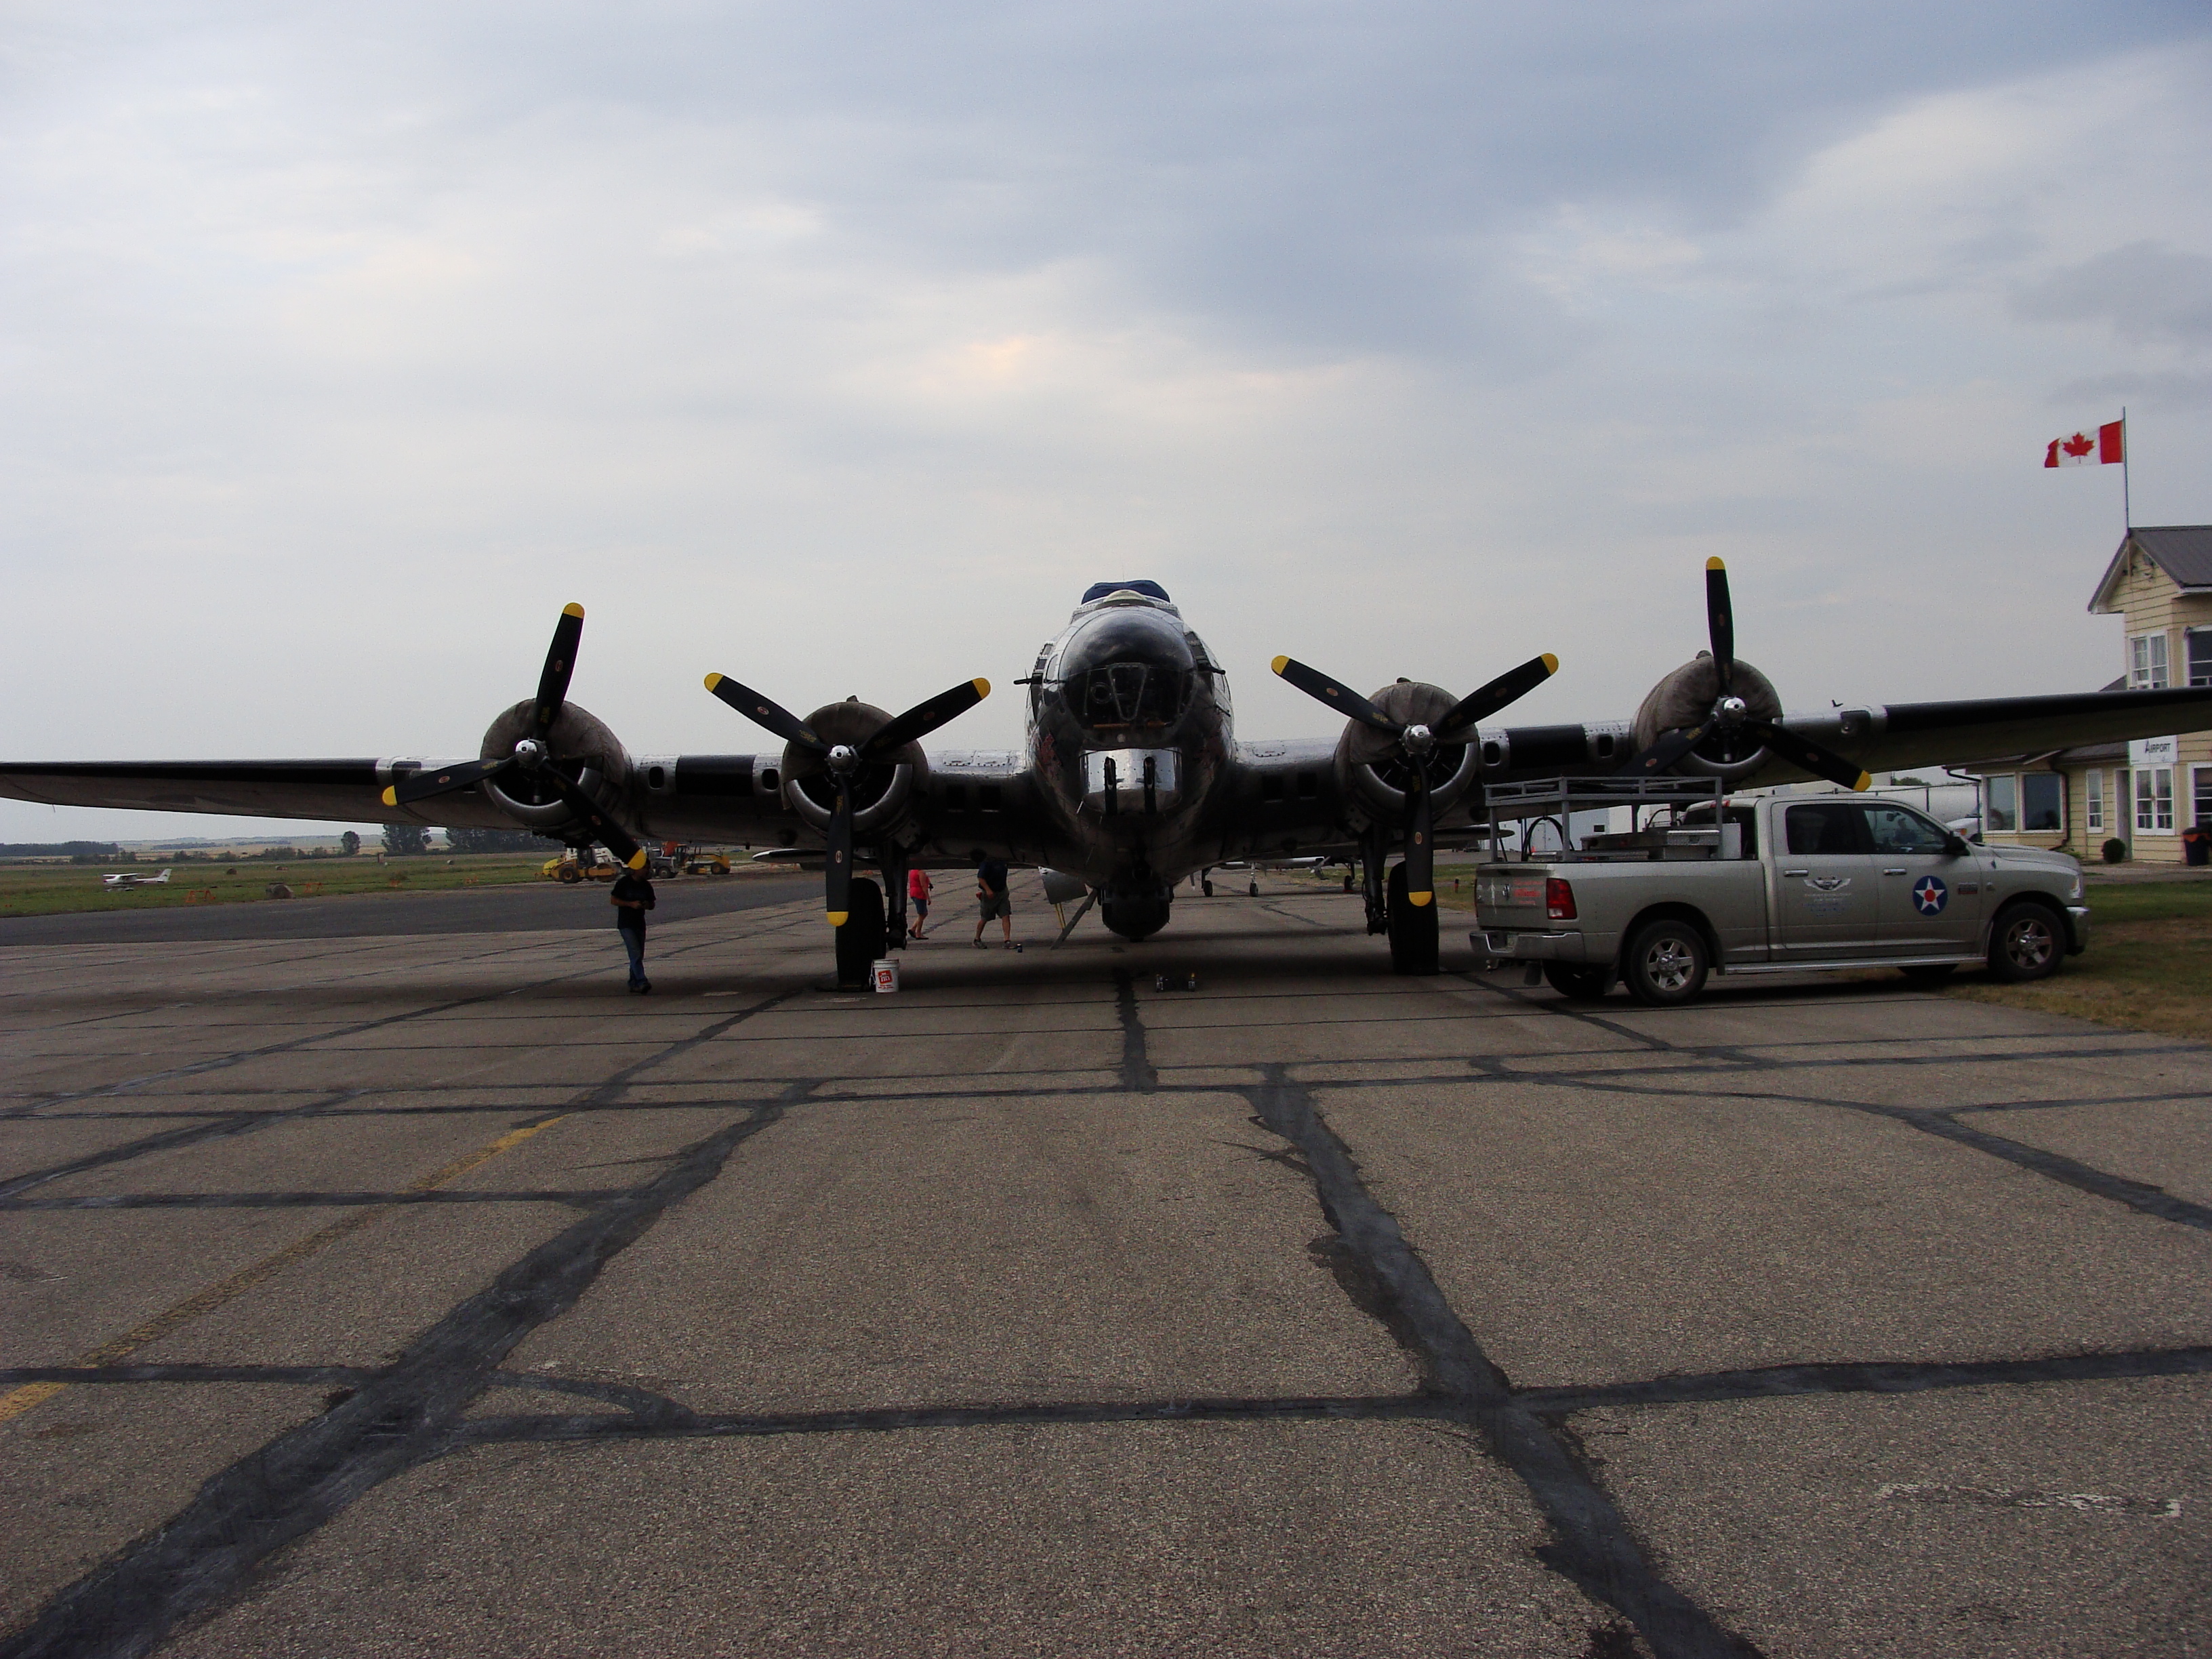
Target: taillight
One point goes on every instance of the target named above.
(1558, 900)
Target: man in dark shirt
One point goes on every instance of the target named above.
(632, 897)
(991, 893)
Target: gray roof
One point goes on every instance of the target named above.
(2184, 551)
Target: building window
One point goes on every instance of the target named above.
(2202, 778)
(2198, 643)
(2092, 795)
(2147, 663)
(2155, 799)
(2042, 801)
(2000, 805)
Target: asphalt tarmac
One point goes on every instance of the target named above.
(424, 1292)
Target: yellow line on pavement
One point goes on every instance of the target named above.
(16, 1402)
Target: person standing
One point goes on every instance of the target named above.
(917, 895)
(632, 897)
(991, 893)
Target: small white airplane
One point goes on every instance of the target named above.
(116, 882)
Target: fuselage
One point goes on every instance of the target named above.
(1130, 742)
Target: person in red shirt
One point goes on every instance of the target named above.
(917, 895)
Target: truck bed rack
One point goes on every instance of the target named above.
(1529, 802)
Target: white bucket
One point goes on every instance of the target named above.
(886, 972)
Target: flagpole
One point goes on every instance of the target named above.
(2127, 507)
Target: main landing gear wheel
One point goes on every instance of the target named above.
(1412, 929)
(863, 937)
(2025, 945)
(1666, 964)
(1577, 984)
(1254, 889)
(1206, 888)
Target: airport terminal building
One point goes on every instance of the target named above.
(2145, 793)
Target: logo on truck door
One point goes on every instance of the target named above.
(1930, 896)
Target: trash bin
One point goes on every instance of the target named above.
(2197, 845)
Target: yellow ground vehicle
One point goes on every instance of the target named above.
(597, 864)
(706, 861)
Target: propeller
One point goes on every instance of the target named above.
(1419, 741)
(533, 755)
(844, 760)
(1729, 716)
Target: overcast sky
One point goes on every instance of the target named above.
(837, 348)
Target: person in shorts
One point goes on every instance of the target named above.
(991, 894)
(917, 895)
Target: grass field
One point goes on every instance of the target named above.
(2149, 967)
(51, 890)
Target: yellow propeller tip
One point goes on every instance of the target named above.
(392, 797)
(1715, 564)
(837, 917)
(1279, 664)
(1418, 899)
(1551, 664)
(637, 862)
(572, 610)
(712, 680)
(983, 688)
(1866, 780)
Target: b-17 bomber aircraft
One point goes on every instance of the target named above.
(1129, 779)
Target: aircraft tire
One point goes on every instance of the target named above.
(1254, 889)
(863, 937)
(1205, 888)
(1412, 929)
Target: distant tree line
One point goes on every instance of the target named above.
(59, 849)
(493, 840)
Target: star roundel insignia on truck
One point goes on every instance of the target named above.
(1930, 896)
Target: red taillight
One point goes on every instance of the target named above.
(1558, 900)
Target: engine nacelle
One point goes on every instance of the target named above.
(883, 791)
(576, 735)
(1686, 697)
(1374, 770)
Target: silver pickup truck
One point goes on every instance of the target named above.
(1782, 884)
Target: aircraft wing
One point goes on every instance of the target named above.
(1901, 736)
(331, 791)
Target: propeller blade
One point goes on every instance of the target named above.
(604, 829)
(1509, 687)
(1421, 848)
(560, 663)
(1719, 623)
(837, 866)
(763, 711)
(420, 785)
(1670, 747)
(1802, 752)
(1337, 695)
(924, 718)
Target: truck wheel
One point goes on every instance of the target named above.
(1580, 984)
(863, 937)
(570, 877)
(2026, 944)
(1412, 928)
(1931, 976)
(1667, 963)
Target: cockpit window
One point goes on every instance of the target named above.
(1130, 693)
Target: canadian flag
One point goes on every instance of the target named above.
(2106, 446)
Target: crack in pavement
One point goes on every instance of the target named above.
(310, 1200)
(1591, 1542)
(297, 1482)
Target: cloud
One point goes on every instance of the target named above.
(2146, 292)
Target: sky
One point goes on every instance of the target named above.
(838, 347)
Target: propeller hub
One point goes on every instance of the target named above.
(1418, 739)
(1731, 711)
(530, 754)
(843, 759)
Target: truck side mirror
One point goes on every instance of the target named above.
(1955, 844)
